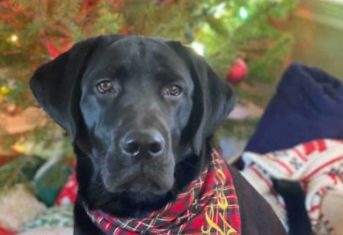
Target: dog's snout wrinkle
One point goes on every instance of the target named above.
(143, 142)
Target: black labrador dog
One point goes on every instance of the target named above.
(141, 112)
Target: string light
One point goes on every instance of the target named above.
(243, 13)
(220, 10)
(14, 38)
(198, 47)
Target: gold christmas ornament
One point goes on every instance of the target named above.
(5, 90)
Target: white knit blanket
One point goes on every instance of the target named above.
(318, 165)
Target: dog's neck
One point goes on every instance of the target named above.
(208, 204)
(120, 204)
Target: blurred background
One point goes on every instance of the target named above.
(249, 43)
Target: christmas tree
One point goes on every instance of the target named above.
(236, 37)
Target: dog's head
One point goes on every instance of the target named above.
(137, 110)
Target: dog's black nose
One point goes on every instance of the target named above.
(144, 142)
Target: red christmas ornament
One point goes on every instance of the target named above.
(4, 231)
(56, 51)
(238, 72)
(53, 51)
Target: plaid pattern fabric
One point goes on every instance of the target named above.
(209, 205)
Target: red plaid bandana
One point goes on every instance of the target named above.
(209, 205)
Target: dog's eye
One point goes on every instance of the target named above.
(172, 90)
(106, 86)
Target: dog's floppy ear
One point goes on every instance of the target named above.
(55, 84)
(213, 98)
